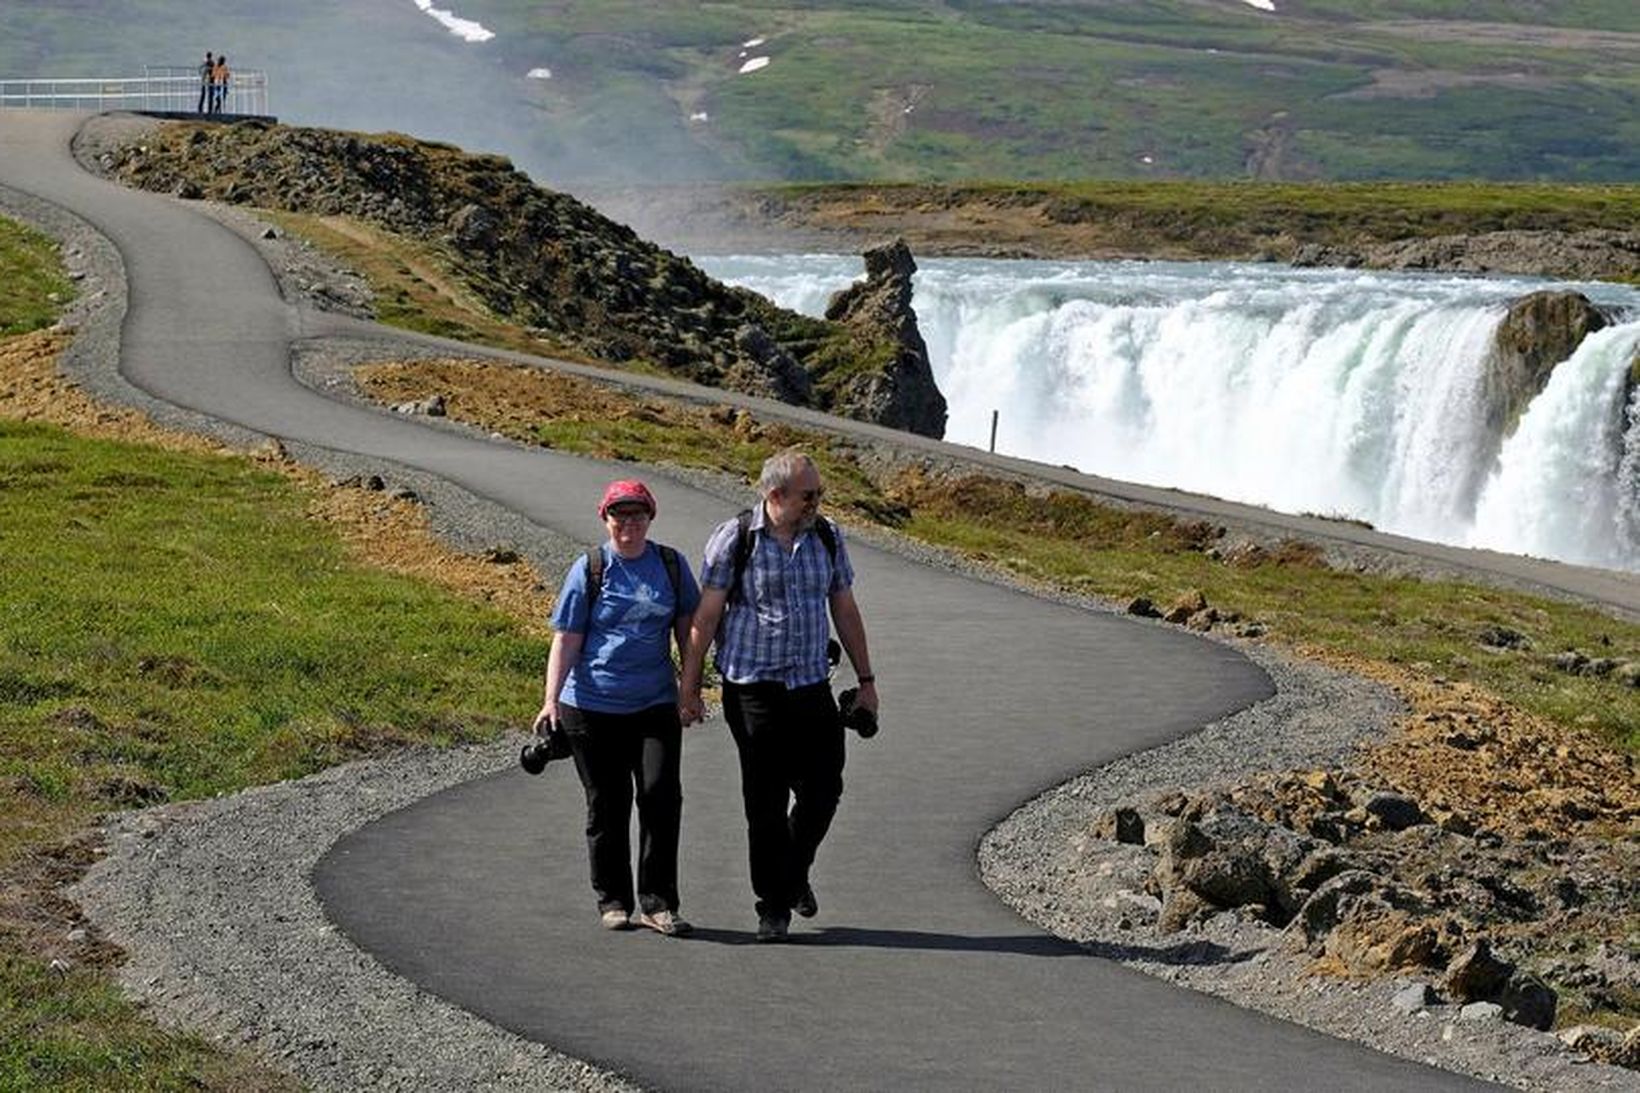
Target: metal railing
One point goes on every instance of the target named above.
(171, 88)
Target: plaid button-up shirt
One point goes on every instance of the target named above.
(776, 629)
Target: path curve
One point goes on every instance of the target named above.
(914, 975)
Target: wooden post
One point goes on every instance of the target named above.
(994, 431)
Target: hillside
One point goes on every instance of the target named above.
(538, 259)
(580, 93)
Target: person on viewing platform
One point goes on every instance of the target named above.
(219, 84)
(207, 80)
(610, 685)
(768, 579)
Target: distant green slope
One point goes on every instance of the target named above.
(644, 90)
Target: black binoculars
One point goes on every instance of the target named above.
(858, 718)
(535, 756)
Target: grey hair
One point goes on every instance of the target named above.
(779, 469)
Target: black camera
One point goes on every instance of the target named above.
(534, 757)
(858, 718)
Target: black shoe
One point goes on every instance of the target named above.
(773, 927)
(805, 904)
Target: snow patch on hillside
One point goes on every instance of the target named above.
(466, 29)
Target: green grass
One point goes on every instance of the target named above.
(76, 1032)
(33, 289)
(176, 629)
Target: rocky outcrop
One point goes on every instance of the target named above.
(549, 263)
(901, 394)
(1369, 882)
(1577, 255)
(1540, 330)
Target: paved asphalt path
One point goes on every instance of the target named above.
(913, 975)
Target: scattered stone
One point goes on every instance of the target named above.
(1143, 607)
(1122, 824)
(1503, 637)
(498, 555)
(1411, 999)
(1479, 1012)
(1186, 606)
(432, 406)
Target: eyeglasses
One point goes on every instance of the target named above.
(627, 516)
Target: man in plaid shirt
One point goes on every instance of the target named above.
(769, 622)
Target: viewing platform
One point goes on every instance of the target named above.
(168, 91)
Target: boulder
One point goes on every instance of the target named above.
(1412, 998)
(1371, 939)
(1477, 974)
(1229, 876)
(1191, 603)
(902, 395)
(1351, 893)
(1393, 811)
(1541, 330)
(1527, 1000)
(1122, 824)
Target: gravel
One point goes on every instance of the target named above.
(224, 934)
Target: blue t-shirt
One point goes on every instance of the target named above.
(626, 662)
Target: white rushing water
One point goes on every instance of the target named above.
(1335, 392)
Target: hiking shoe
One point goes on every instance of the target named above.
(616, 919)
(805, 904)
(669, 923)
(773, 927)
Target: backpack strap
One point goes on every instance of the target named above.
(743, 548)
(595, 580)
(595, 577)
(674, 574)
(743, 554)
(828, 536)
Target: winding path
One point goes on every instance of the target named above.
(913, 975)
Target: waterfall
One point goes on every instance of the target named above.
(1340, 393)
(1564, 483)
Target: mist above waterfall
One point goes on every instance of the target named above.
(1340, 393)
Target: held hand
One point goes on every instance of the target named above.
(691, 708)
(546, 718)
(868, 697)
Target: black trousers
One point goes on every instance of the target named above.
(791, 778)
(619, 756)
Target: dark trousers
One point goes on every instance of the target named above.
(615, 755)
(791, 778)
(206, 97)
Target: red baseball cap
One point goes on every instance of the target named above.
(628, 490)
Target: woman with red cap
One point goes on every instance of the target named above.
(610, 684)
